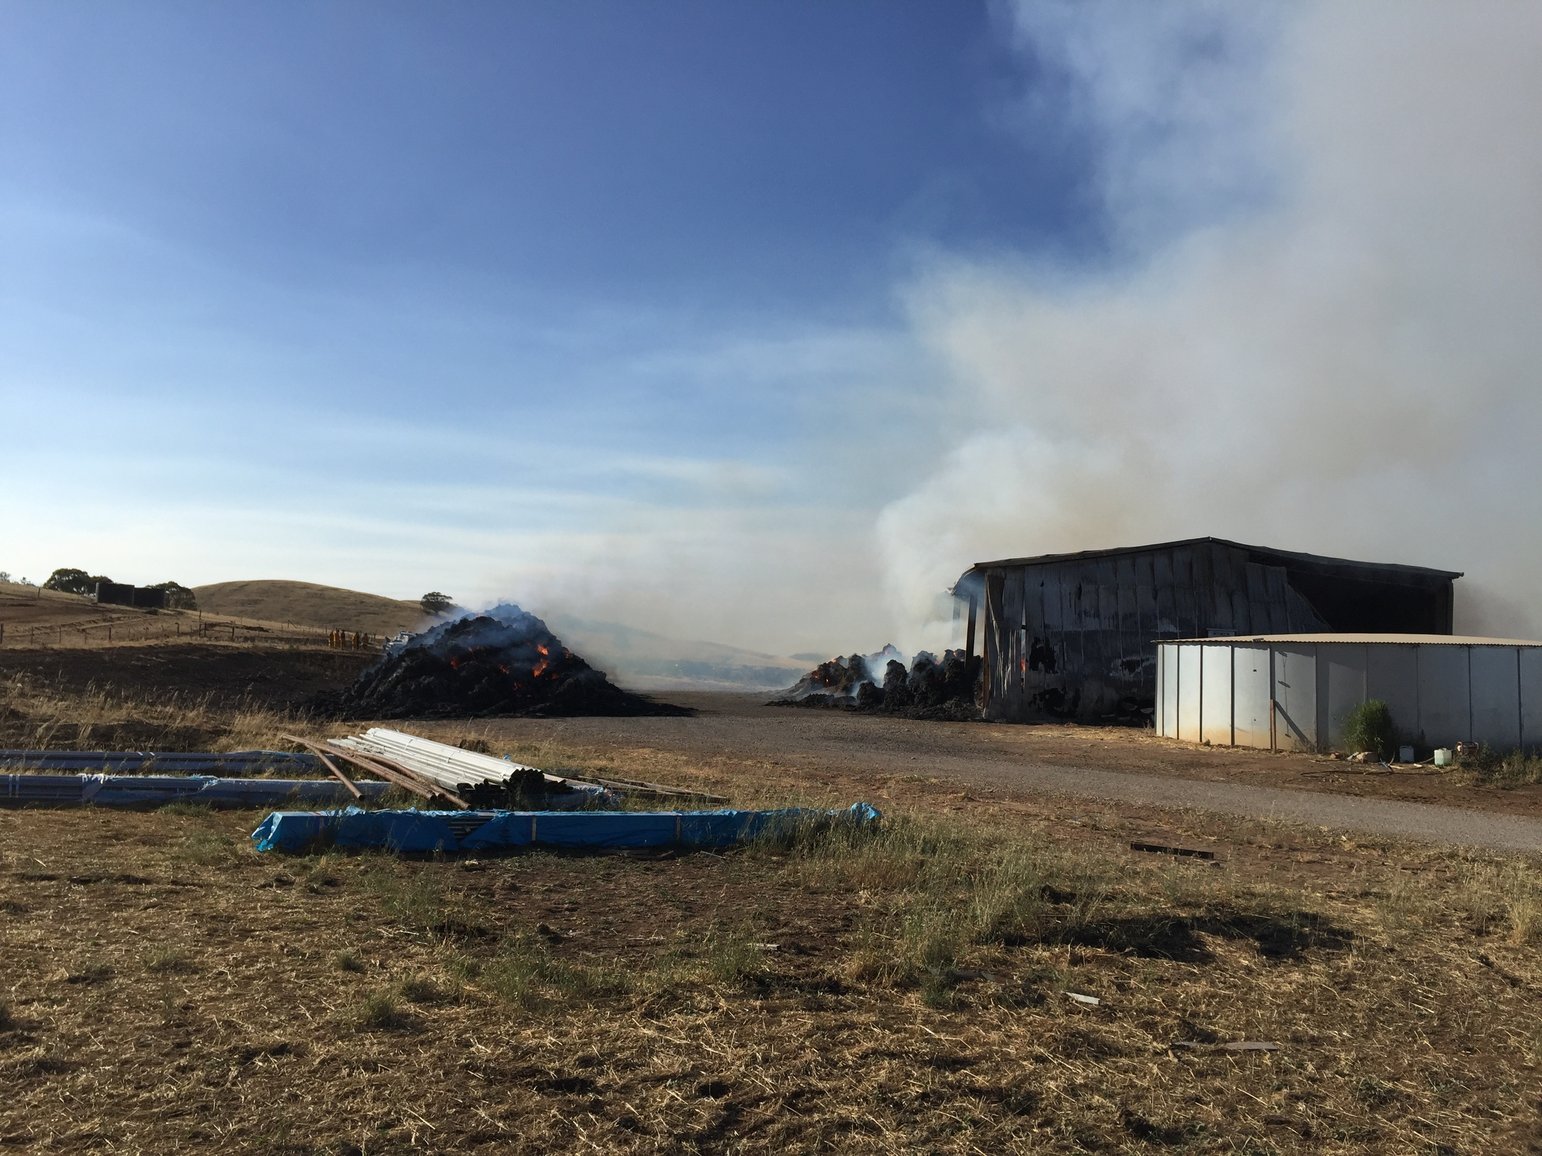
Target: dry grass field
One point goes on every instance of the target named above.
(310, 604)
(34, 619)
(169, 989)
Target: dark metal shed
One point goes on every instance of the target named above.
(122, 594)
(1074, 635)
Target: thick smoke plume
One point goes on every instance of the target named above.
(1317, 326)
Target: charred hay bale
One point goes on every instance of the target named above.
(838, 678)
(870, 696)
(505, 662)
(896, 688)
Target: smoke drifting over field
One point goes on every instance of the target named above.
(1311, 326)
(1317, 329)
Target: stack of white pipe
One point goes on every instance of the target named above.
(447, 766)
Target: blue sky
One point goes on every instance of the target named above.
(756, 321)
(399, 295)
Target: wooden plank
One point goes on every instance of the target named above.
(1242, 612)
(403, 776)
(1033, 603)
(391, 772)
(1146, 614)
(991, 646)
(337, 774)
(1168, 618)
(1105, 649)
(1016, 656)
(322, 751)
(1071, 648)
(1207, 618)
(1185, 598)
(1131, 642)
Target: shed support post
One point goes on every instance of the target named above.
(1274, 706)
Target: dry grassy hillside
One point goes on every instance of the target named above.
(28, 606)
(309, 604)
(32, 616)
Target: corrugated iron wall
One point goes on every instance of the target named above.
(1296, 695)
(1075, 638)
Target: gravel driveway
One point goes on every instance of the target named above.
(1002, 759)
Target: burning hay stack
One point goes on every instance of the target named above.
(505, 662)
(929, 688)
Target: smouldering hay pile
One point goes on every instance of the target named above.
(166, 988)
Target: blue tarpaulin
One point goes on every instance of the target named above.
(421, 831)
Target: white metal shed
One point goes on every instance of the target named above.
(1292, 691)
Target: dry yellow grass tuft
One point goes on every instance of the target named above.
(38, 715)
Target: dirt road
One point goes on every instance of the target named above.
(1022, 762)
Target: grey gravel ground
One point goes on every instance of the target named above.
(1423, 821)
(999, 759)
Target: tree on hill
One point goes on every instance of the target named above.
(435, 603)
(74, 581)
(178, 596)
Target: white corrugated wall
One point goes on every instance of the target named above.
(1295, 695)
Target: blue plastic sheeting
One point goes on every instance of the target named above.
(196, 762)
(153, 790)
(422, 831)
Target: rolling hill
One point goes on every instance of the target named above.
(310, 604)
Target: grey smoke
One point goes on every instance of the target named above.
(1319, 329)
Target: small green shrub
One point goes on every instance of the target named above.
(525, 973)
(379, 1011)
(1368, 727)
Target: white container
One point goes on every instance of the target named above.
(1442, 756)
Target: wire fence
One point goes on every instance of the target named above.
(186, 627)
